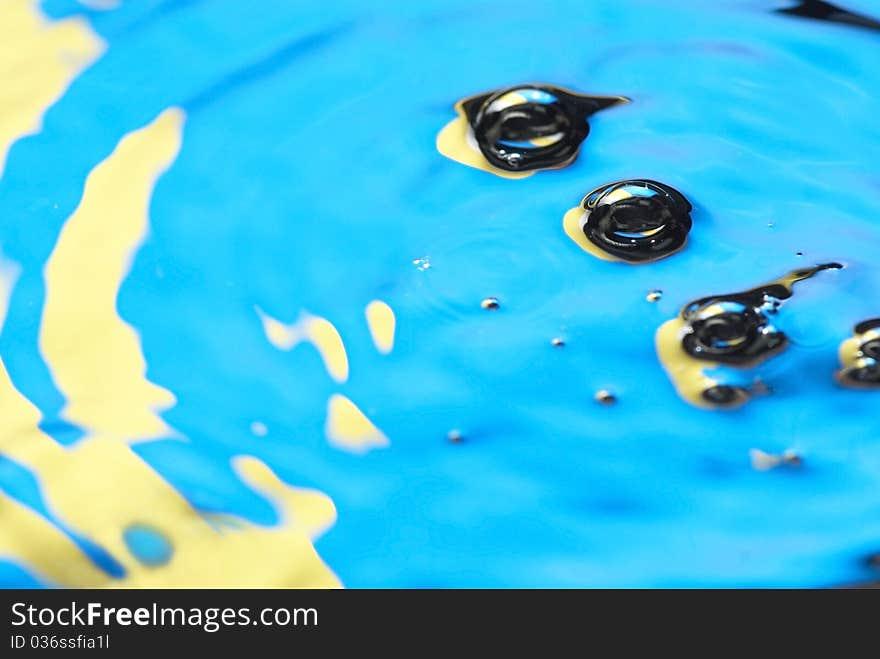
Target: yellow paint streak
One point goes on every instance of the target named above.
(318, 331)
(381, 321)
(38, 61)
(348, 428)
(100, 487)
(28, 538)
(95, 357)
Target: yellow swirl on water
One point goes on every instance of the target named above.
(99, 487)
(38, 61)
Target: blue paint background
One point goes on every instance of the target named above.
(308, 179)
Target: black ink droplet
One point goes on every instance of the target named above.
(730, 332)
(825, 11)
(724, 395)
(736, 328)
(529, 127)
(865, 372)
(637, 220)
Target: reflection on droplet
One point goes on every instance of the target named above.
(558, 343)
(654, 296)
(422, 264)
(605, 397)
(259, 429)
(490, 303)
(455, 436)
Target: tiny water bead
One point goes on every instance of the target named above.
(557, 343)
(860, 357)
(605, 397)
(455, 436)
(520, 129)
(734, 330)
(490, 303)
(635, 221)
(654, 296)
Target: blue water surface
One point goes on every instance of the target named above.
(309, 179)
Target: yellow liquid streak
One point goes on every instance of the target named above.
(38, 61)
(320, 332)
(99, 486)
(381, 322)
(94, 356)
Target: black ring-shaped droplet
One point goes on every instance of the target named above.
(723, 395)
(637, 220)
(531, 126)
(729, 332)
(867, 376)
(871, 349)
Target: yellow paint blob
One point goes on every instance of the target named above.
(318, 331)
(95, 357)
(100, 487)
(38, 61)
(348, 428)
(381, 321)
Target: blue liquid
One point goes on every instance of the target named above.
(308, 178)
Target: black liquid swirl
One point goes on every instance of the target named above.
(543, 129)
(736, 329)
(637, 220)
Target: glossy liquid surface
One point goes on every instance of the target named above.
(291, 180)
